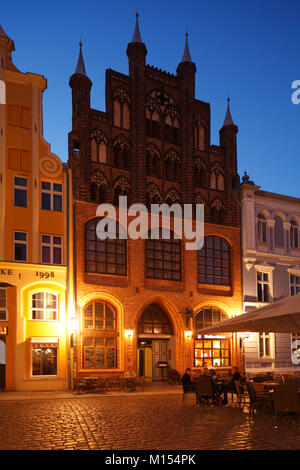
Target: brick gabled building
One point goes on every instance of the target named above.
(139, 302)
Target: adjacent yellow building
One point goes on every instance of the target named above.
(33, 243)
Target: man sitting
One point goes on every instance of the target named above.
(230, 386)
(187, 381)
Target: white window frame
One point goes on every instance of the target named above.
(22, 242)
(265, 336)
(262, 282)
(294, 284)
(44, 309)
(21, 188)
(51, 245)
(52, 193)
(294, 337)
(4, 309)
(294, 229)
(259, 231)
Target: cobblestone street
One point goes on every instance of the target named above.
(161, 422)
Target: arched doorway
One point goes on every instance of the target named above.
(2, 362)
(156, 345)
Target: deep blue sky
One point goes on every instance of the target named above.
(246, 49)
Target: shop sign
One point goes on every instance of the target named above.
(211, 337)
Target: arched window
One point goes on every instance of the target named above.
(172, 167)
(121, 156)
(104, 256)
(152, 124)
(119, 191)
(278, 231)
(261, 229)
(154, 321)
(163, 258)
(121, 110)
(99, 336)
(44, 306)
(98, 193)
(199, 136)
(98, 147)
(211, 352)
(217, 178)
(153, 162)
(294, 235)
(172, 128)
(218, 214)
(214, 262)
(200, 173)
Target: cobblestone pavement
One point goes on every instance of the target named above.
(161, 422)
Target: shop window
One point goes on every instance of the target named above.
(3, 304)
(51, 196)
(163, 258)
(20, 191)
(214, 262)
(20, 246)
(215, 351)
(44, 306)
(51, 249)
(44, 360)
(104, 256)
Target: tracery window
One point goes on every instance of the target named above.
(214, 262)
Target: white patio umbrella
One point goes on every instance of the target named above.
(282, 316)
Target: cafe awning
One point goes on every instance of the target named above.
(282, 316)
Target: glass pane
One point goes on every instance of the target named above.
(110, 358)
(56, 255)
(88, 358)
(46, 201)
(46, 254)
(57, 203)
(100, 358)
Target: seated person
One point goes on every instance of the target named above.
(229, 386)
(206, 373)
(187, 380)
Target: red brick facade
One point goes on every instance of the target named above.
(153, 145)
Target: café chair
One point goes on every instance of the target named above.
(257, 399)
(286, 400)
(204, 390)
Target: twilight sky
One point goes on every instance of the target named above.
(246, 49)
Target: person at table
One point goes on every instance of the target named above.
(130, 377)
(187, 380)
(230, 386)
(206, 373)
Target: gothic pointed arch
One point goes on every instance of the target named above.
(217, 176)
(121, 152)
(99, 145)
(218, 213)
(121, 108)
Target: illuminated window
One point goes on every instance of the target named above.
(51, 196)
(99, 353)
(214, 262)
(100, 336)
(51, 249)
(20, 191)
(154, 321)
(44, 306)
(99, 316)
(44, 360)
(265, 345)
(211, 351)
(3, 304)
